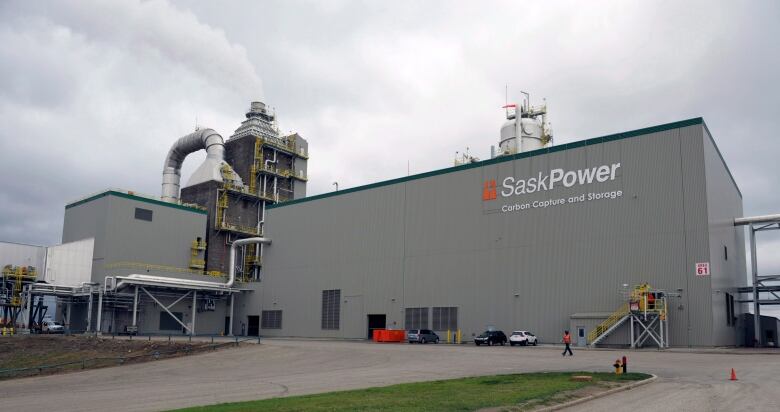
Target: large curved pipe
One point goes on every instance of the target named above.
(206, 139)
(233, 247)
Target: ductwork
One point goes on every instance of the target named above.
(135, 278)
(211, 169)
(233, 247)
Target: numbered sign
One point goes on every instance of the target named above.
(703, 269)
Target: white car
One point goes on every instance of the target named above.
(523, 338)
(50, 326)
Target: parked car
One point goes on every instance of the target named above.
(523, 338)
(50, 326)
(422, 336)
(491, 337)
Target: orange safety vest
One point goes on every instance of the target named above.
(566, 338)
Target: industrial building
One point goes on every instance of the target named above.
(539, 237)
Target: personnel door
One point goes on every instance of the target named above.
(376, 322)
(253, 327)
(581, 341)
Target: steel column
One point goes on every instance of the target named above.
(194, 307)
(230, 323)
(67, 315)
(98, 328)
(89, 311)
(135, 307)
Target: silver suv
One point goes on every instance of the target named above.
(422, 336)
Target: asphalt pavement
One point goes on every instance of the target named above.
(688, 380)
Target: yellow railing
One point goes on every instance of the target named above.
(159, 268)
(249, 230)
(608, 323)
(290, 147)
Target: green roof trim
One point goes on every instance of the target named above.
(138, 198)
(553, 149)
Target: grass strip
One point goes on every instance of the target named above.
(466, 394)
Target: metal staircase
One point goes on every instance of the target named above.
(614, 321)
(646, 311)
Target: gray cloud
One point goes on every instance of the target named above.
(93, 93)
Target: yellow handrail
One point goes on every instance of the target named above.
(608, 323)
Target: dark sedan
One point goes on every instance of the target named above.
(491, 337)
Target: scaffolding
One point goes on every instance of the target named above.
(14, 281)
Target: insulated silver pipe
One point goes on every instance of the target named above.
(741, 221)
(206, 139)
(233, 247)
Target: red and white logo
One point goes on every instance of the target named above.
(489, 190)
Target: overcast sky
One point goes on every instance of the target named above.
(93, 93)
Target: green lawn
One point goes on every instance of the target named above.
(466, 394)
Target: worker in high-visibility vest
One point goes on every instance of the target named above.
(567, 342)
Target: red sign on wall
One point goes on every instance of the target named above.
(703, 269)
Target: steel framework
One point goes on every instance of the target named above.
(769, 285)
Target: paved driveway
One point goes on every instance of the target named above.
(688, 381)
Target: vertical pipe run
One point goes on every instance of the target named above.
(754, 269)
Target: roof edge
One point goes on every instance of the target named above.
(112, 192)
(588, 142)
(726, 165)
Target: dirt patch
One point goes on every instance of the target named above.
(56, 354)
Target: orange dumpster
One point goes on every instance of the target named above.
(385, 335)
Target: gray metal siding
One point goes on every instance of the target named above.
(433, 242)
(120, 237)
(164, 241)
(697, 293)
(88, 220)
(724, 203)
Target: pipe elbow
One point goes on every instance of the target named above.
(203, 139)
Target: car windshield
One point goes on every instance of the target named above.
(517, 333)
(484, 335)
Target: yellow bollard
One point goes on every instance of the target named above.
(449, 336)
(458, 337)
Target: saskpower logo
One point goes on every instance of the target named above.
(511, 186)
(489, 190)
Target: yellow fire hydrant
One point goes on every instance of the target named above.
(618, 367)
